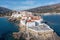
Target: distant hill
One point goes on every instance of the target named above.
(41, 9)
(46, 9)
(5, 11)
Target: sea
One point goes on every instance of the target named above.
(7, 27)
(53, 21)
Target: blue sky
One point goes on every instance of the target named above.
(26, 4)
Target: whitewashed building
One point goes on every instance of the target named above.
(21, 14)
(26, 13)
(31, 21)
(16, 15)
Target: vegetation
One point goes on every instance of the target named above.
(46, 9)
(5, 11)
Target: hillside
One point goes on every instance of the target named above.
(5, 11)
(46, 9)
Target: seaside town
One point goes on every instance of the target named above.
(29, 20)
(31, 26)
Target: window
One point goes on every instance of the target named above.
(36, 23)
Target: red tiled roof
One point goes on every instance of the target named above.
(30, 21)
(35, 18)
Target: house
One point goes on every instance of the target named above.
(26, 13)
(24, 17)
(36, 19)
(22, 22)
(31, 21)
(21, 14)
(16, 15)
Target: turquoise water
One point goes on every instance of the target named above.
(54, 22)
(6, 28)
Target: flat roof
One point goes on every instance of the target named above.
(42, 27)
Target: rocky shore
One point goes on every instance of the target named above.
(23, 36)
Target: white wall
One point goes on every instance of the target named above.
(22, 22)
(30, 24)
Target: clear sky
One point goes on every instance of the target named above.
(26, 4)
